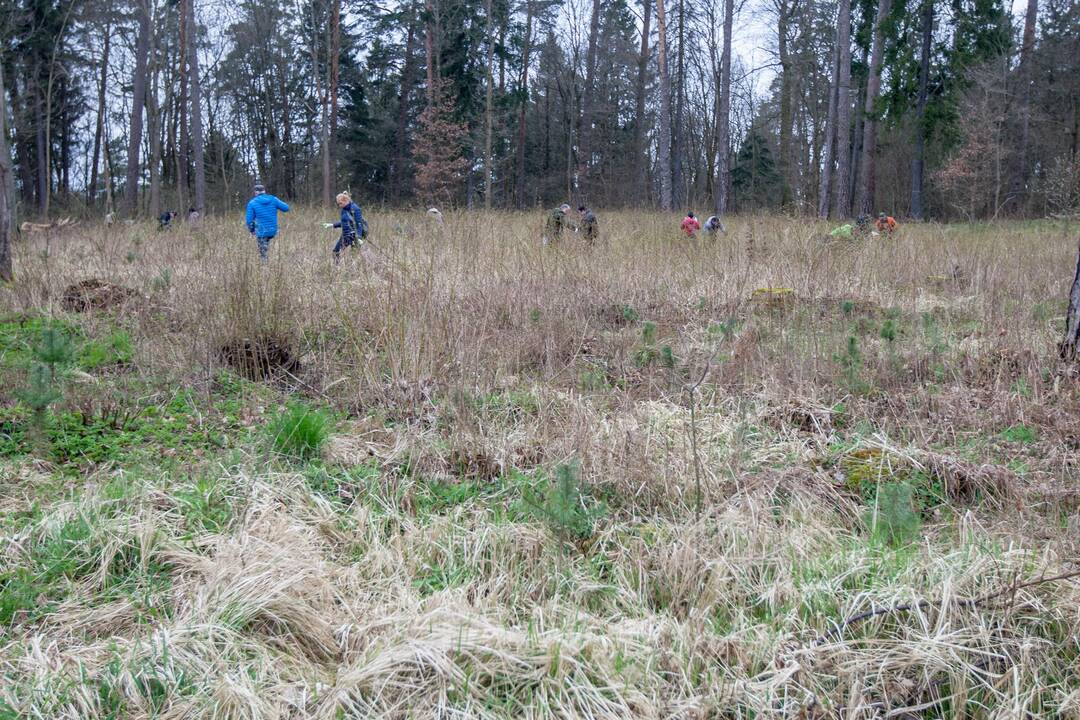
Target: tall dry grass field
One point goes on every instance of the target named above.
(462, 474)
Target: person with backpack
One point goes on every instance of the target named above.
(352, 224)
(261, 218)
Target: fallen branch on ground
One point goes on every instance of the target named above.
(926, 604)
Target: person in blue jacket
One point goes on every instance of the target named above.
(353, 227)
(261, 218)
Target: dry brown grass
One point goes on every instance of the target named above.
(465, 356)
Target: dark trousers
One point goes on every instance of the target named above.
(264, 247)
(343, 242)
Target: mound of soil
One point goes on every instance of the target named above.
(260, 358)
(94, 294)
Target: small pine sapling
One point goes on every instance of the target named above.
(52, 355)
(567, 511)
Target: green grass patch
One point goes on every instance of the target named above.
(299, 432)
(1020, 434)
(116, 348)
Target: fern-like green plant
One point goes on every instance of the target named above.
(569, 513)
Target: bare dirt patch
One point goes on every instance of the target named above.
(260, 358)
(95, 294)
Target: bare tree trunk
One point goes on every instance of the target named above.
(641, 174)
(502, 56)
(488, 104)
(1020, 172)
(401, 132)
(47, 134)
(587, 104)
(131, 188)
(153, 122)
(317, 89)
(181, 110)
(526, 51)
(287, 147)
(917, 162)
(857, 136)
(91, 190)
(677, 150)
(335, 81)
(41, 182)
(7, 186)
(328, 112)
(785, 9)
(108, 168)
(723, 115)
(1071, 341)
(195, 90)
(663, 151)
(429, 49)
(842, 208)
(829, 149)
(868, 174)
(65, 141)
(21, 115)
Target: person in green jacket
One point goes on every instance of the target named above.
(556, 223)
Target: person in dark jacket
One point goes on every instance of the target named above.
(353, 227)
(556, 222)
(261, 218)
(590, 228)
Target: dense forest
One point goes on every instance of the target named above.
(924, 108)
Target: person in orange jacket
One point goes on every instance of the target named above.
(690, 225)
(886, 223)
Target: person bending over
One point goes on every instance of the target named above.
(352, 224)
(886, 224)
(713, 225)
(590, 228)
(690, 225)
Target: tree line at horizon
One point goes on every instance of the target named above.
(923, 108)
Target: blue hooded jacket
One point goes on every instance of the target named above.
(262, 213)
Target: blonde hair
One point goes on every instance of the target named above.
(344, 196)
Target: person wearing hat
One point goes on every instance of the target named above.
(555, 224)
(261, 218)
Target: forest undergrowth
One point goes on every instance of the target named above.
(462, 474)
